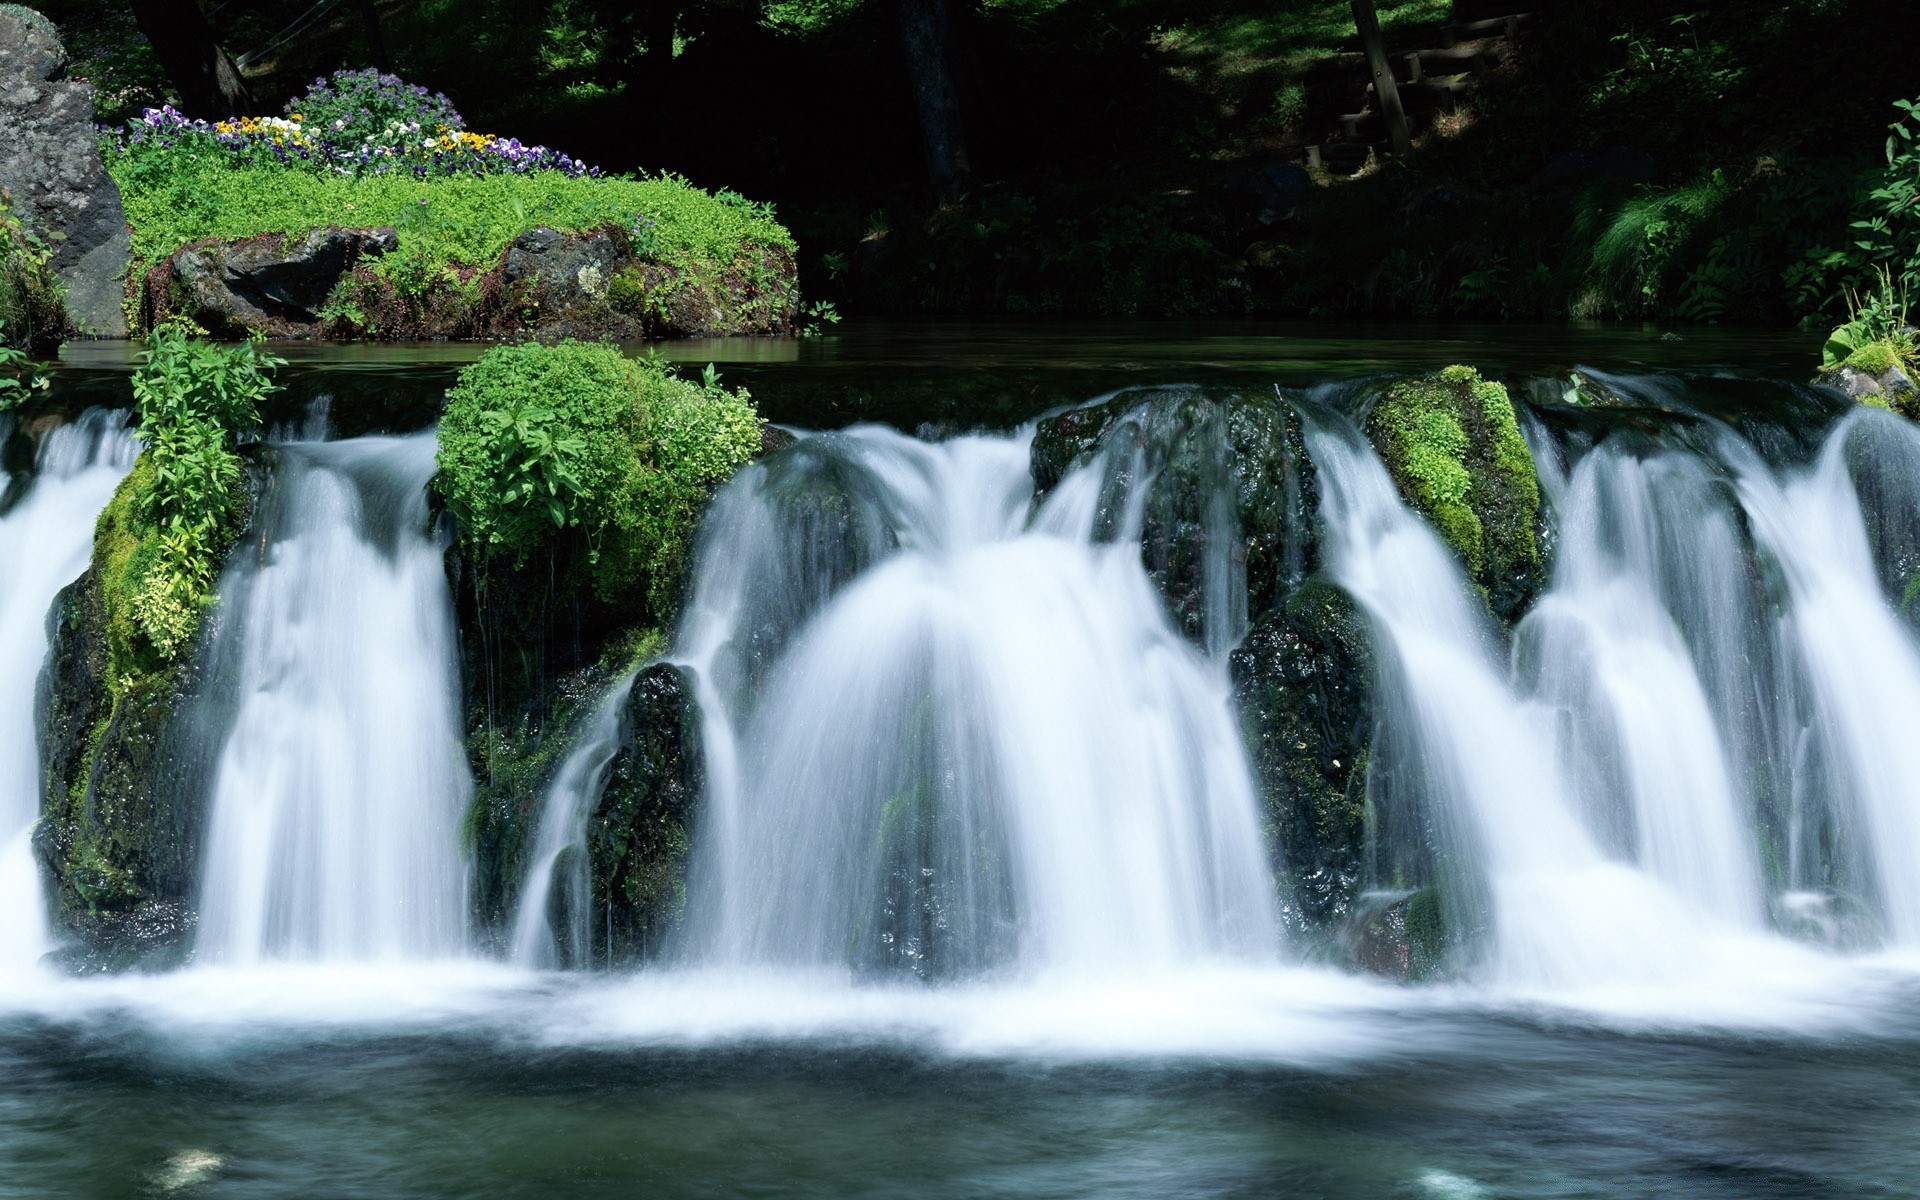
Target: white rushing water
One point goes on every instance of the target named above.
(560, 844)
(1859, 660)
(1638, 736)
(985, 749)
(1562, 912)
(333, 827)
(46, 540)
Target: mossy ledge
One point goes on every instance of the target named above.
(122, 799)
(1452, 443)
(576, 478)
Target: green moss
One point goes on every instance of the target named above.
(1874, 358)
(1453, 445)
(577, 449)
(1426, 933)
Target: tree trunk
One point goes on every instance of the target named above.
(198, 67)
(1368, 22)
(376, 43)
(926, 31)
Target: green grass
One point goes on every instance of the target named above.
(463, 221)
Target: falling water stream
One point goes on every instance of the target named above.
(46, 539)
(988, 748)
(973, 800)
(333, 831)
(560, 843)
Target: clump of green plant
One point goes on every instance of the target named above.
(177, 512)
(20, 376)
(1877, 335)
(1453, 445)
(577, 450)
(33, 314)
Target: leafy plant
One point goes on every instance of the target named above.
(20, 376)
(193, 401)
(1876, 335)
(577, 452)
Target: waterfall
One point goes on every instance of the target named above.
(1480, 757)
(46, 540)
(1638, 734)
(560, 845)
(1859, 661)
(333, 829)
(961, 736)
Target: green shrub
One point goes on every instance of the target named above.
(163, 536)
(548, 450)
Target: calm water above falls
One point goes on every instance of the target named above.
(1107, 1007)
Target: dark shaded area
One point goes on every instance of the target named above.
(1149, 156)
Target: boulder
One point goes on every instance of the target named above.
(51, 169)
(1302, 680)
(1400, 935)
(637, 837)
(273, 284)
(1453, 445)
(1891, 387)
(1223, 491)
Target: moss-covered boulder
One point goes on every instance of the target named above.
(1302, 679)
(638, 837)
(1880, 373)
(577, 478)
(123, 758)
(1453, 445)
(1401, 936)
(124, 763)
(1223, 491)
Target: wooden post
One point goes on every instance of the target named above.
(1367, 21)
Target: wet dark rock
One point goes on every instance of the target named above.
(637, 837)
(274, 284)
(126, 767)
(1400, 935)
(119, 830)
(50, 167)
(1302, 680)
(1225, 494)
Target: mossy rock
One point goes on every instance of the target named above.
(638, 839)
(1452, 443)
(1302, 680)
(124, 760)
(1403, 937)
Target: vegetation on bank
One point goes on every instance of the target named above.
(33, 315)
(160, 542)
(375, 152)
(1452, 443)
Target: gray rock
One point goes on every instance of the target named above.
(1893, 385)
(274, 285)
(50, 165)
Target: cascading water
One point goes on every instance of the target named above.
(46, 539)
(966, 739)
(1637, 730)
(1562, 912)
(333, 830)
(561, 841)
(1859, 661)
